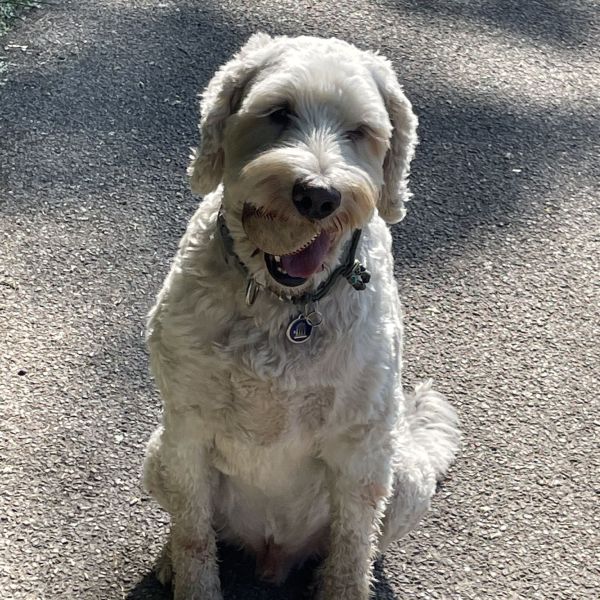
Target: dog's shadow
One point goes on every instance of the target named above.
(239, 582)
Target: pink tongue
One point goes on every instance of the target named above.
(308, 261)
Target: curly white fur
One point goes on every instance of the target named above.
(291, 450)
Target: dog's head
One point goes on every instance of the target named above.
(308, 136)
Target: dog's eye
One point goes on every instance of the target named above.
(356, 134)
(280, 116)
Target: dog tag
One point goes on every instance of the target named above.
(299, 330)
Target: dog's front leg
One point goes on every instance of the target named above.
(179, 475)
(360, 476)
(194, 556)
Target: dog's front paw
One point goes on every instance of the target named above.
(192, 589)
(195, 577)
(192, 561)
(335, 587)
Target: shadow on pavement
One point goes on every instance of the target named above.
(149, 588)
(473, 167)
(239, 582)
(555, 23)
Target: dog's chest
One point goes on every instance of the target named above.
(270, 436)
(261, 413)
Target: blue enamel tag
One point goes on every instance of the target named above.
(299, 330)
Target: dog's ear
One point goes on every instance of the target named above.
(396, 166)
(221, 99)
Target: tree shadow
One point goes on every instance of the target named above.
(484, 165)
(474, 168)
(148, 113)
(559, 24)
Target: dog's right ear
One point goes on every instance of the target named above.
(221, 99)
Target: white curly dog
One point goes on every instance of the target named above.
(276, 338)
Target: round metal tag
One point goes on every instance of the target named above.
(299, 330)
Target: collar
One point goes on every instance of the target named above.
(351, 269)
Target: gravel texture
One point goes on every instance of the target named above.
(498, 263)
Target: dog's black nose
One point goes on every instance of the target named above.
(315, 202)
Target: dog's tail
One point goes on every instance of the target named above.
(434, 426)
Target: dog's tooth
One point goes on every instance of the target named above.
(277, 257)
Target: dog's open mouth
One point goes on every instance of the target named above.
(294, 249)
(294, 269)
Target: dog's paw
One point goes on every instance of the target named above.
(347, 594)
(182, 591)
(348, 588)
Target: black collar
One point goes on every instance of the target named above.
(351, 269)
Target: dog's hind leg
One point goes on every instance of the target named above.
(432, 439)
(164, 565)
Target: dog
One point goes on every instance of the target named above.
(276, 338)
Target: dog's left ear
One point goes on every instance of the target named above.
(396, 166)
(221, 99)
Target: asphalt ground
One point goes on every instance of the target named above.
(497, 260)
